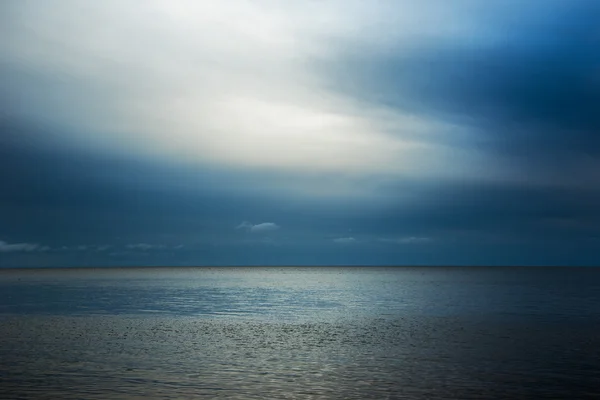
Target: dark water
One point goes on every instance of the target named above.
(330, 333)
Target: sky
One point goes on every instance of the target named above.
(318, 132)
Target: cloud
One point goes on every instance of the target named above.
(345, 240)
(145, 246)
(21, 247)
(84, 248)
(522, 92)
(244, 225)
(223, 80)
(148, 246)
(408, 240)
(262, 227)
(468, 123)
(401, 88)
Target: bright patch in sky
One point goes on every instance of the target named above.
(233, 83)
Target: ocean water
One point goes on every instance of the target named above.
(307, 333)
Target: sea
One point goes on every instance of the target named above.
(300, 333)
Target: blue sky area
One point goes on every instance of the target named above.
(183, 132)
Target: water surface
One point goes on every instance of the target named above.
(334, 333)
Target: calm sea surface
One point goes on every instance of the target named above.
(314, 333)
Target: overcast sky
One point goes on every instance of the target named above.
(181, 132)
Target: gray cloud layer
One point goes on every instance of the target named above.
(525, 90)
(434, 133)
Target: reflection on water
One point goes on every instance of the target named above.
(300, 333)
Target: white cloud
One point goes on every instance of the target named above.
(262, 227)
(244, 225)
(345, 240)
(21, 247)
(231, 82)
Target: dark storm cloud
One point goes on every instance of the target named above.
(71, 199)
(530, 84)
(67, 196)
(509, 211)
(526, 91)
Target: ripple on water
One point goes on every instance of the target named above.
(161, 357)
